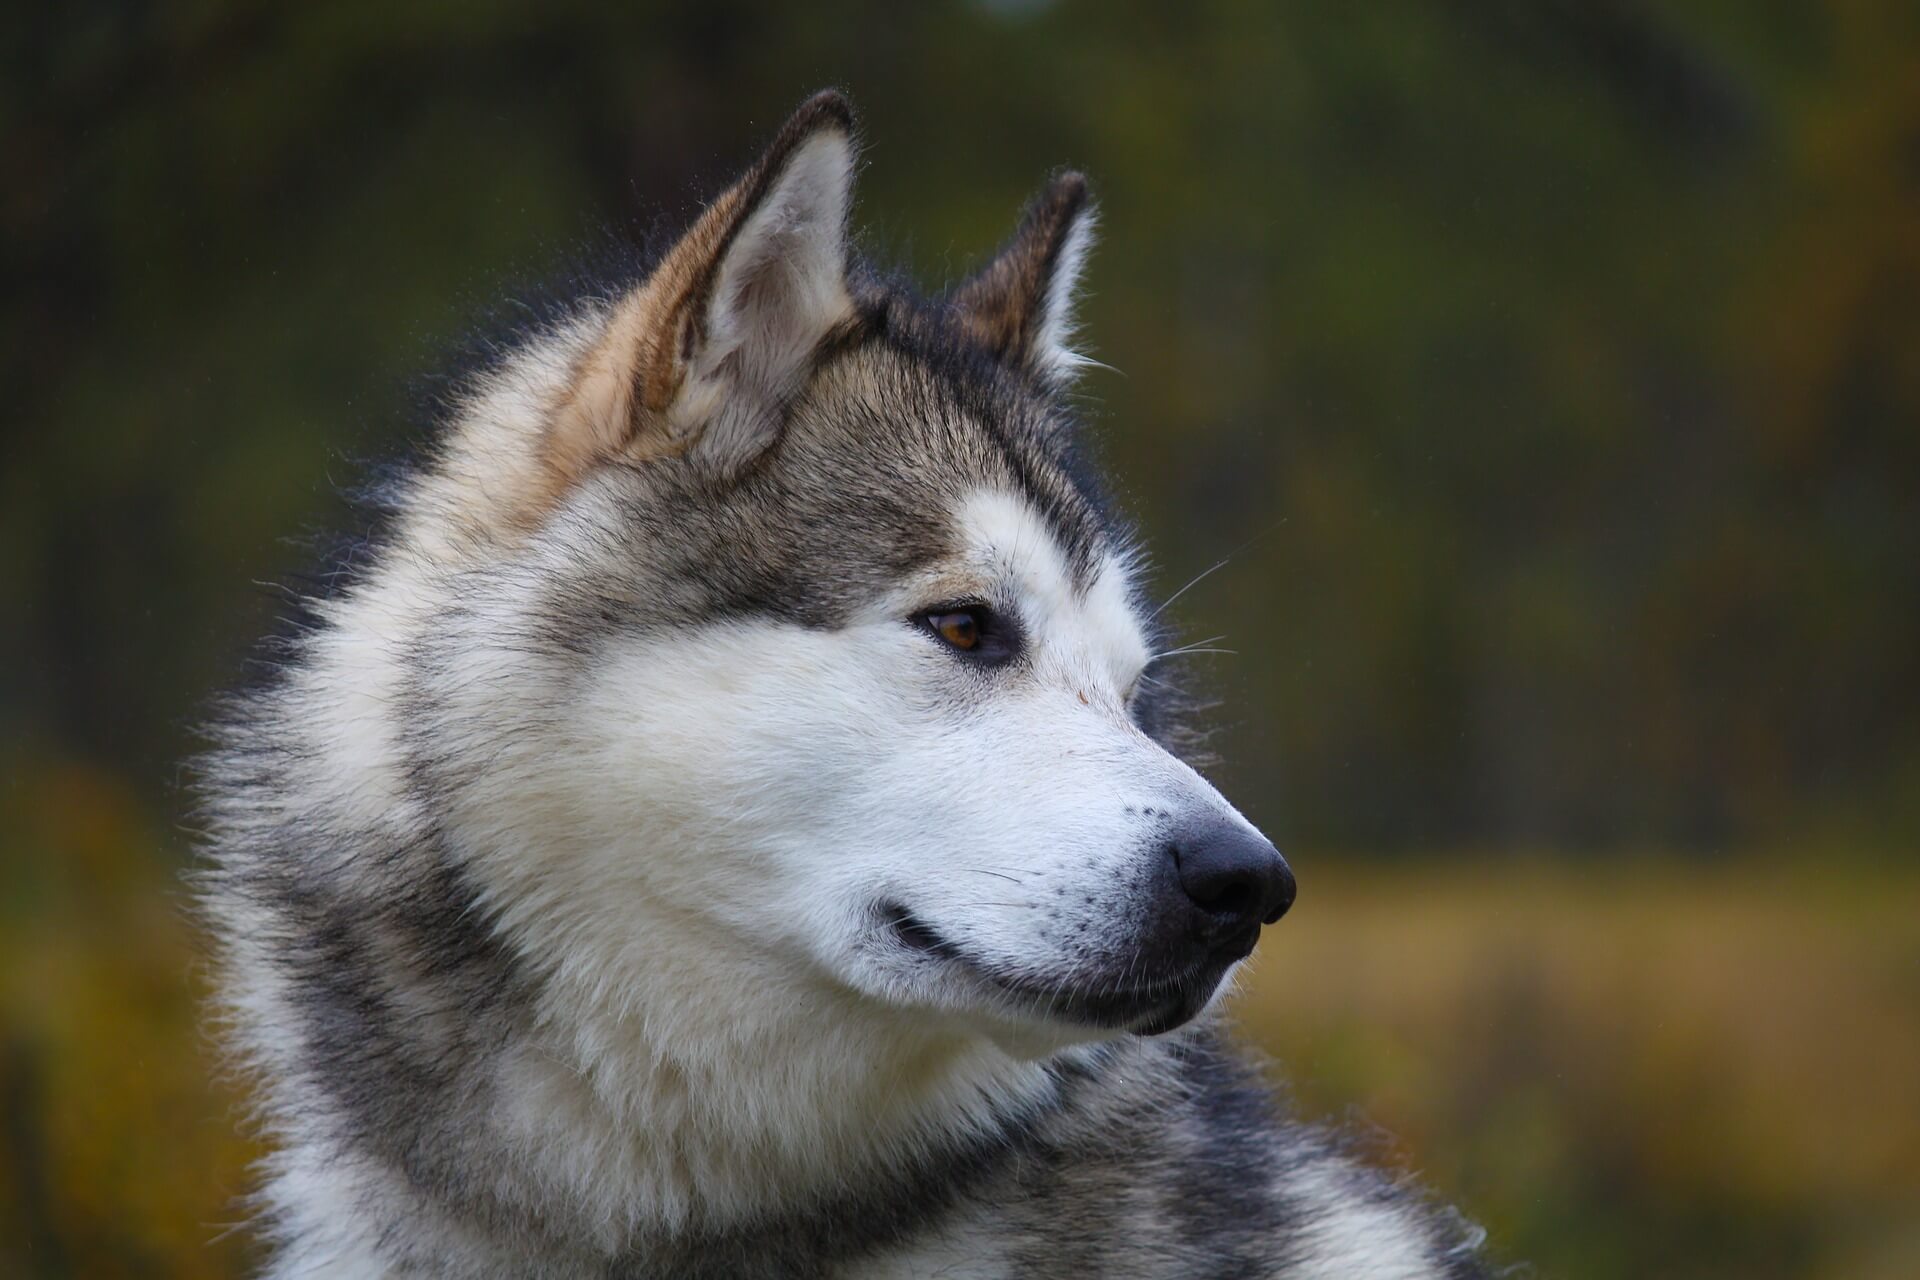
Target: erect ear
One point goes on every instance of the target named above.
(703, 358)
(1021, 305)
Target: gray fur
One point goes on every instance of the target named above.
(389, 1012)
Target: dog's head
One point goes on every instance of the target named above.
(814, 642)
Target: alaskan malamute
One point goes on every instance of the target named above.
(729, 821)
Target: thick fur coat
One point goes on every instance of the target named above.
(730, 821)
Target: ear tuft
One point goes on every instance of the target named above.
(703, 359)
(1021, 305)
(773, 288)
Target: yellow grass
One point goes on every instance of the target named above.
(1628, 1068)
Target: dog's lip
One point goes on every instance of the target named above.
(1149, 1009)
(913, 932)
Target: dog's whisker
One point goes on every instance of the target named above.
(1192, 582)
(998, 875)
(1185, 648)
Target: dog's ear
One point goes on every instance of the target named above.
(702, 359)
(1021, 305)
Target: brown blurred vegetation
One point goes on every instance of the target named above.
(1641, 1068)
(119, 1153)
(1549, 372)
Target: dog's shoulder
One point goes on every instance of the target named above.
(1174, 1158)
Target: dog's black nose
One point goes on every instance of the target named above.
(1233, 874)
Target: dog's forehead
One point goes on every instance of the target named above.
(897, 446)
(868, 489)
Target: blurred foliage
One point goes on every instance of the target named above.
(119, 1154)
(1547, 373)
(1558, 359)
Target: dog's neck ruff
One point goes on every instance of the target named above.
(715, 1112)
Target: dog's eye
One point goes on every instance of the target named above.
(961, 630)
(971, 629)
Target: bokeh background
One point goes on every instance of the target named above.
(1545, 372)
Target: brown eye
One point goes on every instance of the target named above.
(971, 630)
(961, 630)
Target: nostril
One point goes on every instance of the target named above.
(1229, 891)
(1232, 875)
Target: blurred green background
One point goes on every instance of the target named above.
(1548, 374)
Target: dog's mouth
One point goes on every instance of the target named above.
(1145, 1008)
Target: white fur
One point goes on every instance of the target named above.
(1352, 1236)
(1056, 352)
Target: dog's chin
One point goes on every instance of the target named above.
(1082, 1006)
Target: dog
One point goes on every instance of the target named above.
(730, 820)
